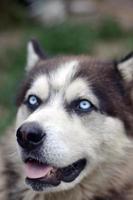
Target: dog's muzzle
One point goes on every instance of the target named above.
(39, 172)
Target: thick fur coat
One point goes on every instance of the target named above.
(85, 107)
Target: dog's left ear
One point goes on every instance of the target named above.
(125, 67)
(34, 54)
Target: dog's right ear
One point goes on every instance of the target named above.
(34, 54)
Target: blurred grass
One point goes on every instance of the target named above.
(62, 39)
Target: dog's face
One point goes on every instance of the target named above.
(72, 119)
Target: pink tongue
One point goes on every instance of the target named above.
(36, 171)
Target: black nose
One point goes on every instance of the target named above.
(30, 136)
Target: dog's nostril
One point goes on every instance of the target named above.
(35, 137)
(30, 135)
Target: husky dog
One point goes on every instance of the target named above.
(73, 133)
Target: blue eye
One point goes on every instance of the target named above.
(33, 102)
(82, 106)
(85, 105)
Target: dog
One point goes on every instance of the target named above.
(73, 136)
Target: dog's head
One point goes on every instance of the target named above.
(74, 117)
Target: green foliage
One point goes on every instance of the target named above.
(110, 29)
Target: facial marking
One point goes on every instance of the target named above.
(80, 88)
(40, 87)
(62, 76)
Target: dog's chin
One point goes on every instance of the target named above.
(42, 177)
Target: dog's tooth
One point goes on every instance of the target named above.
(51, 172)
(48, 174)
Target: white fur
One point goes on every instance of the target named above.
(79, 89)
(63, 74)
(32, 57)
(40, 87)
(126, 69)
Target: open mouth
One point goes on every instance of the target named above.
(42, 175)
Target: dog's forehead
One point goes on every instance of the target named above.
(63, 74)
(56, 80)
(63, 77)
(60, 72)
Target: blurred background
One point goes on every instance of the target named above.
(103, 28)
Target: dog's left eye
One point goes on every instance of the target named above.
(82, 106)
(33, 102)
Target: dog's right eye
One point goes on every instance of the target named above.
(33, 102)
